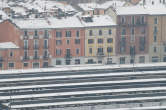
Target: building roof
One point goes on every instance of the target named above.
(8, 45)
(99, 20)
(131, 10)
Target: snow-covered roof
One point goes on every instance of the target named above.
(92, 6)
(41, 23)
(4, 16)
(88, 6)
(66, 22)
(32, 23)
(151, 3)
(99, 20)
(8, 45)
(131, 10)
(20, 10)
(141, 10)
(114, 3)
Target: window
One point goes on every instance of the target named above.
(68, 33)
(68, 52)
(133, 20)
(132, 50)
(123, 32)
(100, 32)
(36, 33)
(142, 59)
(154, 49)
(25, 33)
(36, 65)
(77, 33)
(90, 61)
(77, 51)
(143, 31)
(164, 59)
(109, 49)
(36, 44)
(122, 20)
(154, 38)
(109, 31)
(58, 52)
(90, 41)
(164, 48)
(58, 62)
(45, 54)
(143, 19)
(155, 59)
(58, 42)
(155, 30)
(155, 20)
(90, 50)
(11, 54)
(77, 61)
(142, 43)
(58, 34)
(25, 64)
(36, 54)
(132, 31)
(1, 65)
(100, 41)
(68, 42)
(11, 65)
(77, 41)
(45, 64)
(109, 40)
(122, 44)
(25, 54)
(45, 43)
(25, 44)
(100, 51)
(46, 34)
(122, 60)
(90, 33)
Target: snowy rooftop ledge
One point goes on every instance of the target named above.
(80, 67)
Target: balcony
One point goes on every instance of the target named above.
(100, 54)
(45, 46)
(1, 59)
(25, 37)
(133, 25)
(25, 47)
(35, 47)
(46, 57)
(46, 36)
(36, 37)
(25, 58)
(35, 57)
(68, 56)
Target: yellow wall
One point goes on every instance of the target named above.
(105, 35)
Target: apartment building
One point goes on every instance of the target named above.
(68, 38)
(157, 34)
(9, 53)
(100, 33)
(132, 34)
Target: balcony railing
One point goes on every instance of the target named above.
(25, 58)
(100, 54)
(36, 37)
(25, 37)
(1, 59)
(46, 36)
(25, 47)
(68, 56)
(45, 46)
(46, 57)
(35, 47)
(35, 57)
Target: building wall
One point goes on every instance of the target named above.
(76, 49)
(157, 40)
(95, 45)
(128, 42)
(8, 56)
